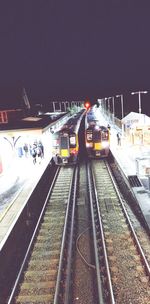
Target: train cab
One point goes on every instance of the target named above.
(66, 141)
(97, 137)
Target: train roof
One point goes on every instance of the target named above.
(73, 123)
(93, 118)
(97, 126)
(90, 115)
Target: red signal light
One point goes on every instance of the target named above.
(87, 105)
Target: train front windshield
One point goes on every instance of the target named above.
(104, 135)
(72, 141)
(96, 136)
(64, 142)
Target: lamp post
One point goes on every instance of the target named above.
(100, 103)
(109, 107)
(103, 100)
(139, 93)
(113, 100)
(122, 111)
(106, 109)
(113, 109)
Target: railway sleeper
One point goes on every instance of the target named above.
(43, 265)
(38, 299)
(37, 287)
(46, 255)
(50, 241)
(47, 275)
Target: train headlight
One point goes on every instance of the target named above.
(105, 144)
(89, 145)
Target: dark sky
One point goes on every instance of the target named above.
(73, 49)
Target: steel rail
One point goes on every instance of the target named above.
(138, 245)
(67, 295)
(14, 289)
(97, 262)
(65, 298)
(109, 283)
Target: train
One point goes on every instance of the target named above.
(97, 136)
(66, 141)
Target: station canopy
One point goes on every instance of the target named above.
(133, 119)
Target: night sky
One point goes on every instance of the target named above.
(74, 49)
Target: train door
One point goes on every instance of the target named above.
(105, 136)
(56, 144)
(64, 148)
(105, 141)
(74, 147)
(97, 141)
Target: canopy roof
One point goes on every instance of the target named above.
(136, 118)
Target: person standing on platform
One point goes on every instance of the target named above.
(40, 145)
(25, 148)
(34, 154)
(108, 127)
(39, 154)
(119, 139)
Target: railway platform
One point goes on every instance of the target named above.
(126, 155)
(16, 186)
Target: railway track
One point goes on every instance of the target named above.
(37, 280)
(128, 266)
(106, 264)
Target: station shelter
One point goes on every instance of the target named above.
(18, 138)
(137, 128)
(137, 135)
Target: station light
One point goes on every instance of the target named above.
(139, 94)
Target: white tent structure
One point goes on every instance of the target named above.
(137, 128)
(134, 118)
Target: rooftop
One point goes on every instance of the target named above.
(35, 122)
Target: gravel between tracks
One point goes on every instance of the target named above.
(83, 281)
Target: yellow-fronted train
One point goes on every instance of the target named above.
(97, 136)
(66, 141)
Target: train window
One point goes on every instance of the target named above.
(104, 135)
(97, 136)
(64, 142)
(89, 136)
(72, 141)
(55, 142)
